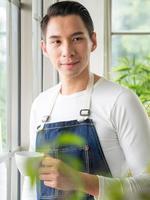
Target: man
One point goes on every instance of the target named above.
(108, 117)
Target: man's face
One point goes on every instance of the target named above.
(68, 45)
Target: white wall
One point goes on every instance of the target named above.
(95, 7)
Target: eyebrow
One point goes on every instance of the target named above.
(72, 35)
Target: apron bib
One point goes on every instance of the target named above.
(90, 154)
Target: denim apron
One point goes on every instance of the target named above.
(90, 154)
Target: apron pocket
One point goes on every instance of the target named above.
(76, 157)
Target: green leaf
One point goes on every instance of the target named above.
(146, 68)
(114, 191)
(134, 73)
(68, 138)
(120, 78)
(72, 161)
(65, 138)
(121, 68)
(32, 167)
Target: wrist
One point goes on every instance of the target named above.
(89, 184)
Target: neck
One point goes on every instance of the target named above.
(75, 84)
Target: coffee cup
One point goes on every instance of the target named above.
(28, 162)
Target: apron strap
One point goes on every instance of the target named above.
(46, 118)
(84, 113)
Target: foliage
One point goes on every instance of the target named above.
(66, 138)
(114, 191)
(136, 76)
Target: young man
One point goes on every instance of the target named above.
(108, 117)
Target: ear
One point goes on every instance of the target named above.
(43, 47)
(94, 41)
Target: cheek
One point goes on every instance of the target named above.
(84, 51)
(53, 55)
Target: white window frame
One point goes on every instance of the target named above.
(13, 107)
(108, 37)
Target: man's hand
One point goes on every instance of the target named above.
(56, 174)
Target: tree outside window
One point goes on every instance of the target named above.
(130, 49)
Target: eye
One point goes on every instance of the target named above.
(55, 42)
(77, 39)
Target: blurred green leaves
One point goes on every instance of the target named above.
(32, 167)
(114, 191)
(135, 74)
(63, 140)
(69, 138)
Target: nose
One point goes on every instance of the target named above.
(68, 49)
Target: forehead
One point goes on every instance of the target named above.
(65, 25)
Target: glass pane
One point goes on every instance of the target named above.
(14, 74)
(129, 15)
(136, 47)
(3, 76)
(2, 16)
(3, 182)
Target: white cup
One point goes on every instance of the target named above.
(28, 162)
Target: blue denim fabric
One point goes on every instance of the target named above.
(91, 154)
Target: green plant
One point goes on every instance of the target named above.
(135, 74)
(114, 191)
(66, 138)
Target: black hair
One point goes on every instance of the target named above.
(65, 8)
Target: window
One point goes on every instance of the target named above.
(9, 97)
(3, 130)
(130, 29)
(127, 30)
(127, 38)
(3, 76)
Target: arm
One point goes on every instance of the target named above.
(133, 130)
(132, 127)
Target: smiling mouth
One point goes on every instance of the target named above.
(70, 63)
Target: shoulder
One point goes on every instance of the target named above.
(112, 97)
(110, 91)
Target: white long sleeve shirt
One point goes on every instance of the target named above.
(122, 126)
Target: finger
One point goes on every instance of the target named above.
(48, 177)
(48, 161)
(46, 169)
(51, 184)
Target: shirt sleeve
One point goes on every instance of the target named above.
(132, 127)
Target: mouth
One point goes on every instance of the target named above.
(69, 65)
